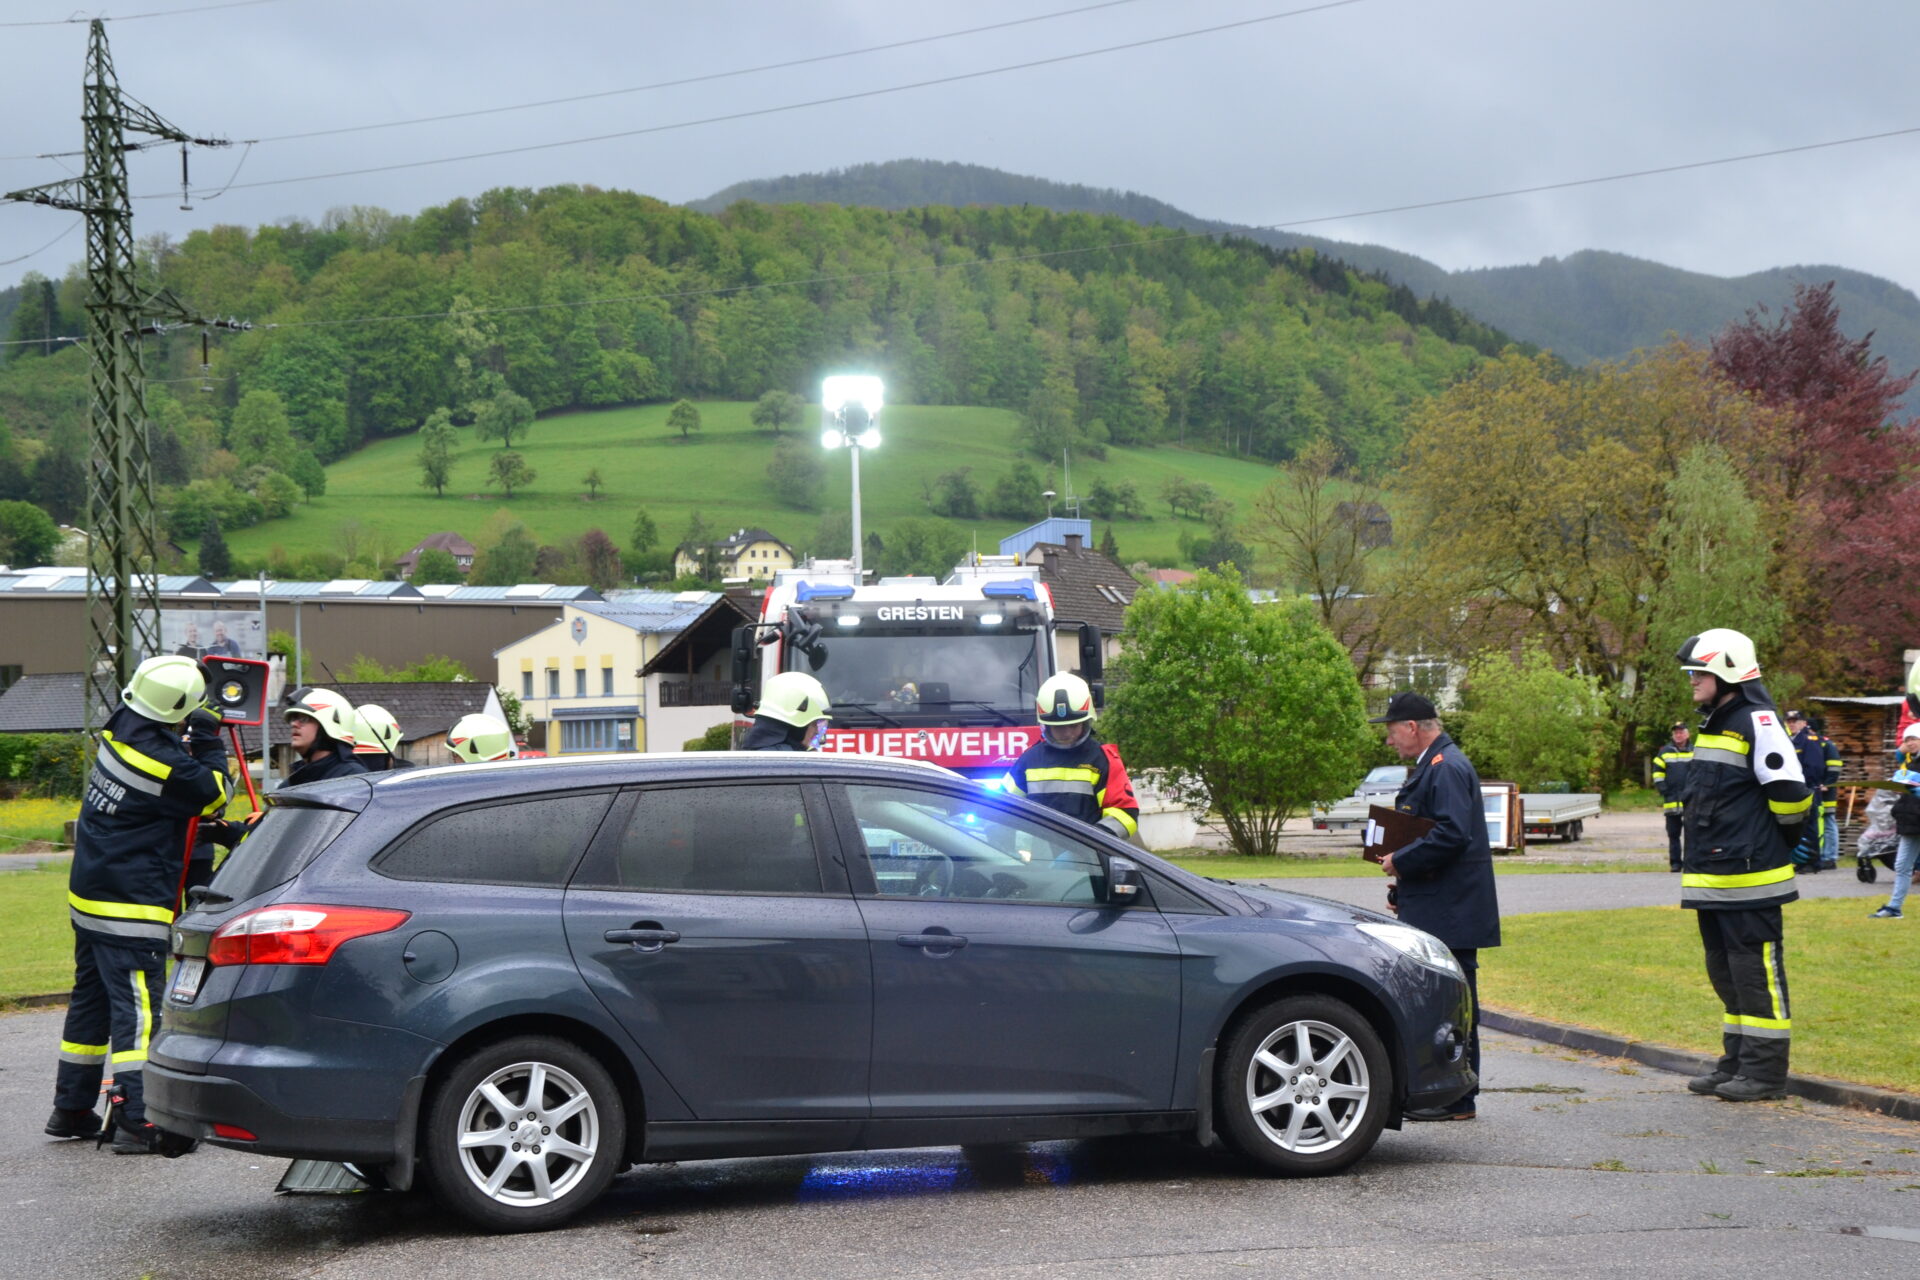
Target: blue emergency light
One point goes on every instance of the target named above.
(1018, 589)
(806, 591)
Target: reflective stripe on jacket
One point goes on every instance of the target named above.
(1085, 781)
(130, 844)
(1746, 797)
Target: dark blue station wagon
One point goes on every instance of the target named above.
(515, 981)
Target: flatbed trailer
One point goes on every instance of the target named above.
(1561, 814)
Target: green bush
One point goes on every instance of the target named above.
(717, 738)
(48, 765)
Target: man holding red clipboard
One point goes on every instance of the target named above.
(1443, 864)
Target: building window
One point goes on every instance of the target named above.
(606, 680)
(596, 735)
(553, 682)
(579, 682)
(526, 684)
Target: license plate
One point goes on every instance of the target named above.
(186, 980)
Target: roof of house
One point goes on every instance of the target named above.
(732, 543)
(1087, 586)
(52, 702)
(654, 612)
(446, 540)
(708, 631)
(1170, 577)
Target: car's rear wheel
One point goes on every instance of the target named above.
(1304, 1086)
(523, 1134)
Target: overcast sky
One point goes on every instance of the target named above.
(1377, 103)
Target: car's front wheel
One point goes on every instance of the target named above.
(523, 1134)
(1304, 1086)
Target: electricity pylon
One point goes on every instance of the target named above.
(123, 598)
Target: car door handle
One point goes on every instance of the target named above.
(643, 937)
(944, 941)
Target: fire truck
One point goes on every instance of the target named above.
(916, 668)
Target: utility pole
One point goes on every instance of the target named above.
(123, 598)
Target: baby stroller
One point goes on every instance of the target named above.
(1878, 840)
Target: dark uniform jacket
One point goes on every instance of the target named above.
(1446, 876)
(1830, 788)
(320, 768)
(768, 734)
(1085, 781)
(1813, 758)
(1670, 774)
(1746, 798)
(130, 845)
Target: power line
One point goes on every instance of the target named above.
(701, 79)
(792, 106)
(71, 228)
(135, 17)
(1150, 241)
(662, 84)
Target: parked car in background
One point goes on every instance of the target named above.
(1381, 781)
(513, 981)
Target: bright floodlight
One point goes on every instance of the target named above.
(868, 439)
(843, 389)
(832, 439)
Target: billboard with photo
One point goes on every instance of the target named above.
(223, 633)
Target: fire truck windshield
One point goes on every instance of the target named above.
(954, 677)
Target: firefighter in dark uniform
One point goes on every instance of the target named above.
(320, 727)
(1445, 878)
(1746, 799)
(1670, 780)
(1813, 768)
(129, 853)
(1829, 800)
(1069, 769)
(792, 716)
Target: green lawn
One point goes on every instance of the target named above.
(1638, 973)
(721, 472)
(1228, 867)
(22, 821)
(38, 956)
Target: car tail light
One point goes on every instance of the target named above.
(233, 1131)
(295, 933)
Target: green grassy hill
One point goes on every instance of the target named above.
(720, 472)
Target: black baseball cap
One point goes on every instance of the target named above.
(1796, 715)
(1680, 724)
(1407, 705)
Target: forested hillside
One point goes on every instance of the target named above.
(1592, 305)
(1092, 330)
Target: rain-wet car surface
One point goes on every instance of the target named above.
(513, 981)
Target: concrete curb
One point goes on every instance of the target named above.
(1839, 1093)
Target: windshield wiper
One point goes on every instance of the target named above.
(984, 706)
(873, 711)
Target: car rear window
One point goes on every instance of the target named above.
(534, 841)
(283, 843)
(738, 839)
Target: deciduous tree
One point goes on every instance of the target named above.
(777, 410)
(1252, 711)
(435, 565)
(593, 482)
(684, 417)
(510, 471)
(600, 560)
(1533, 723)
(214, 560)
(28, 535)
(503, 416)
(438, 436)
(795, 475)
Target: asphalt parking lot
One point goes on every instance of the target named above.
(1579, 1166)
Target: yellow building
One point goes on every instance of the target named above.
(745, 553)
(579, 680)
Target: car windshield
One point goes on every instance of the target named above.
(1386, 775)
(877, 675)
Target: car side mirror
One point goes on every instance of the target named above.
(1123, 882)
(744, 656)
